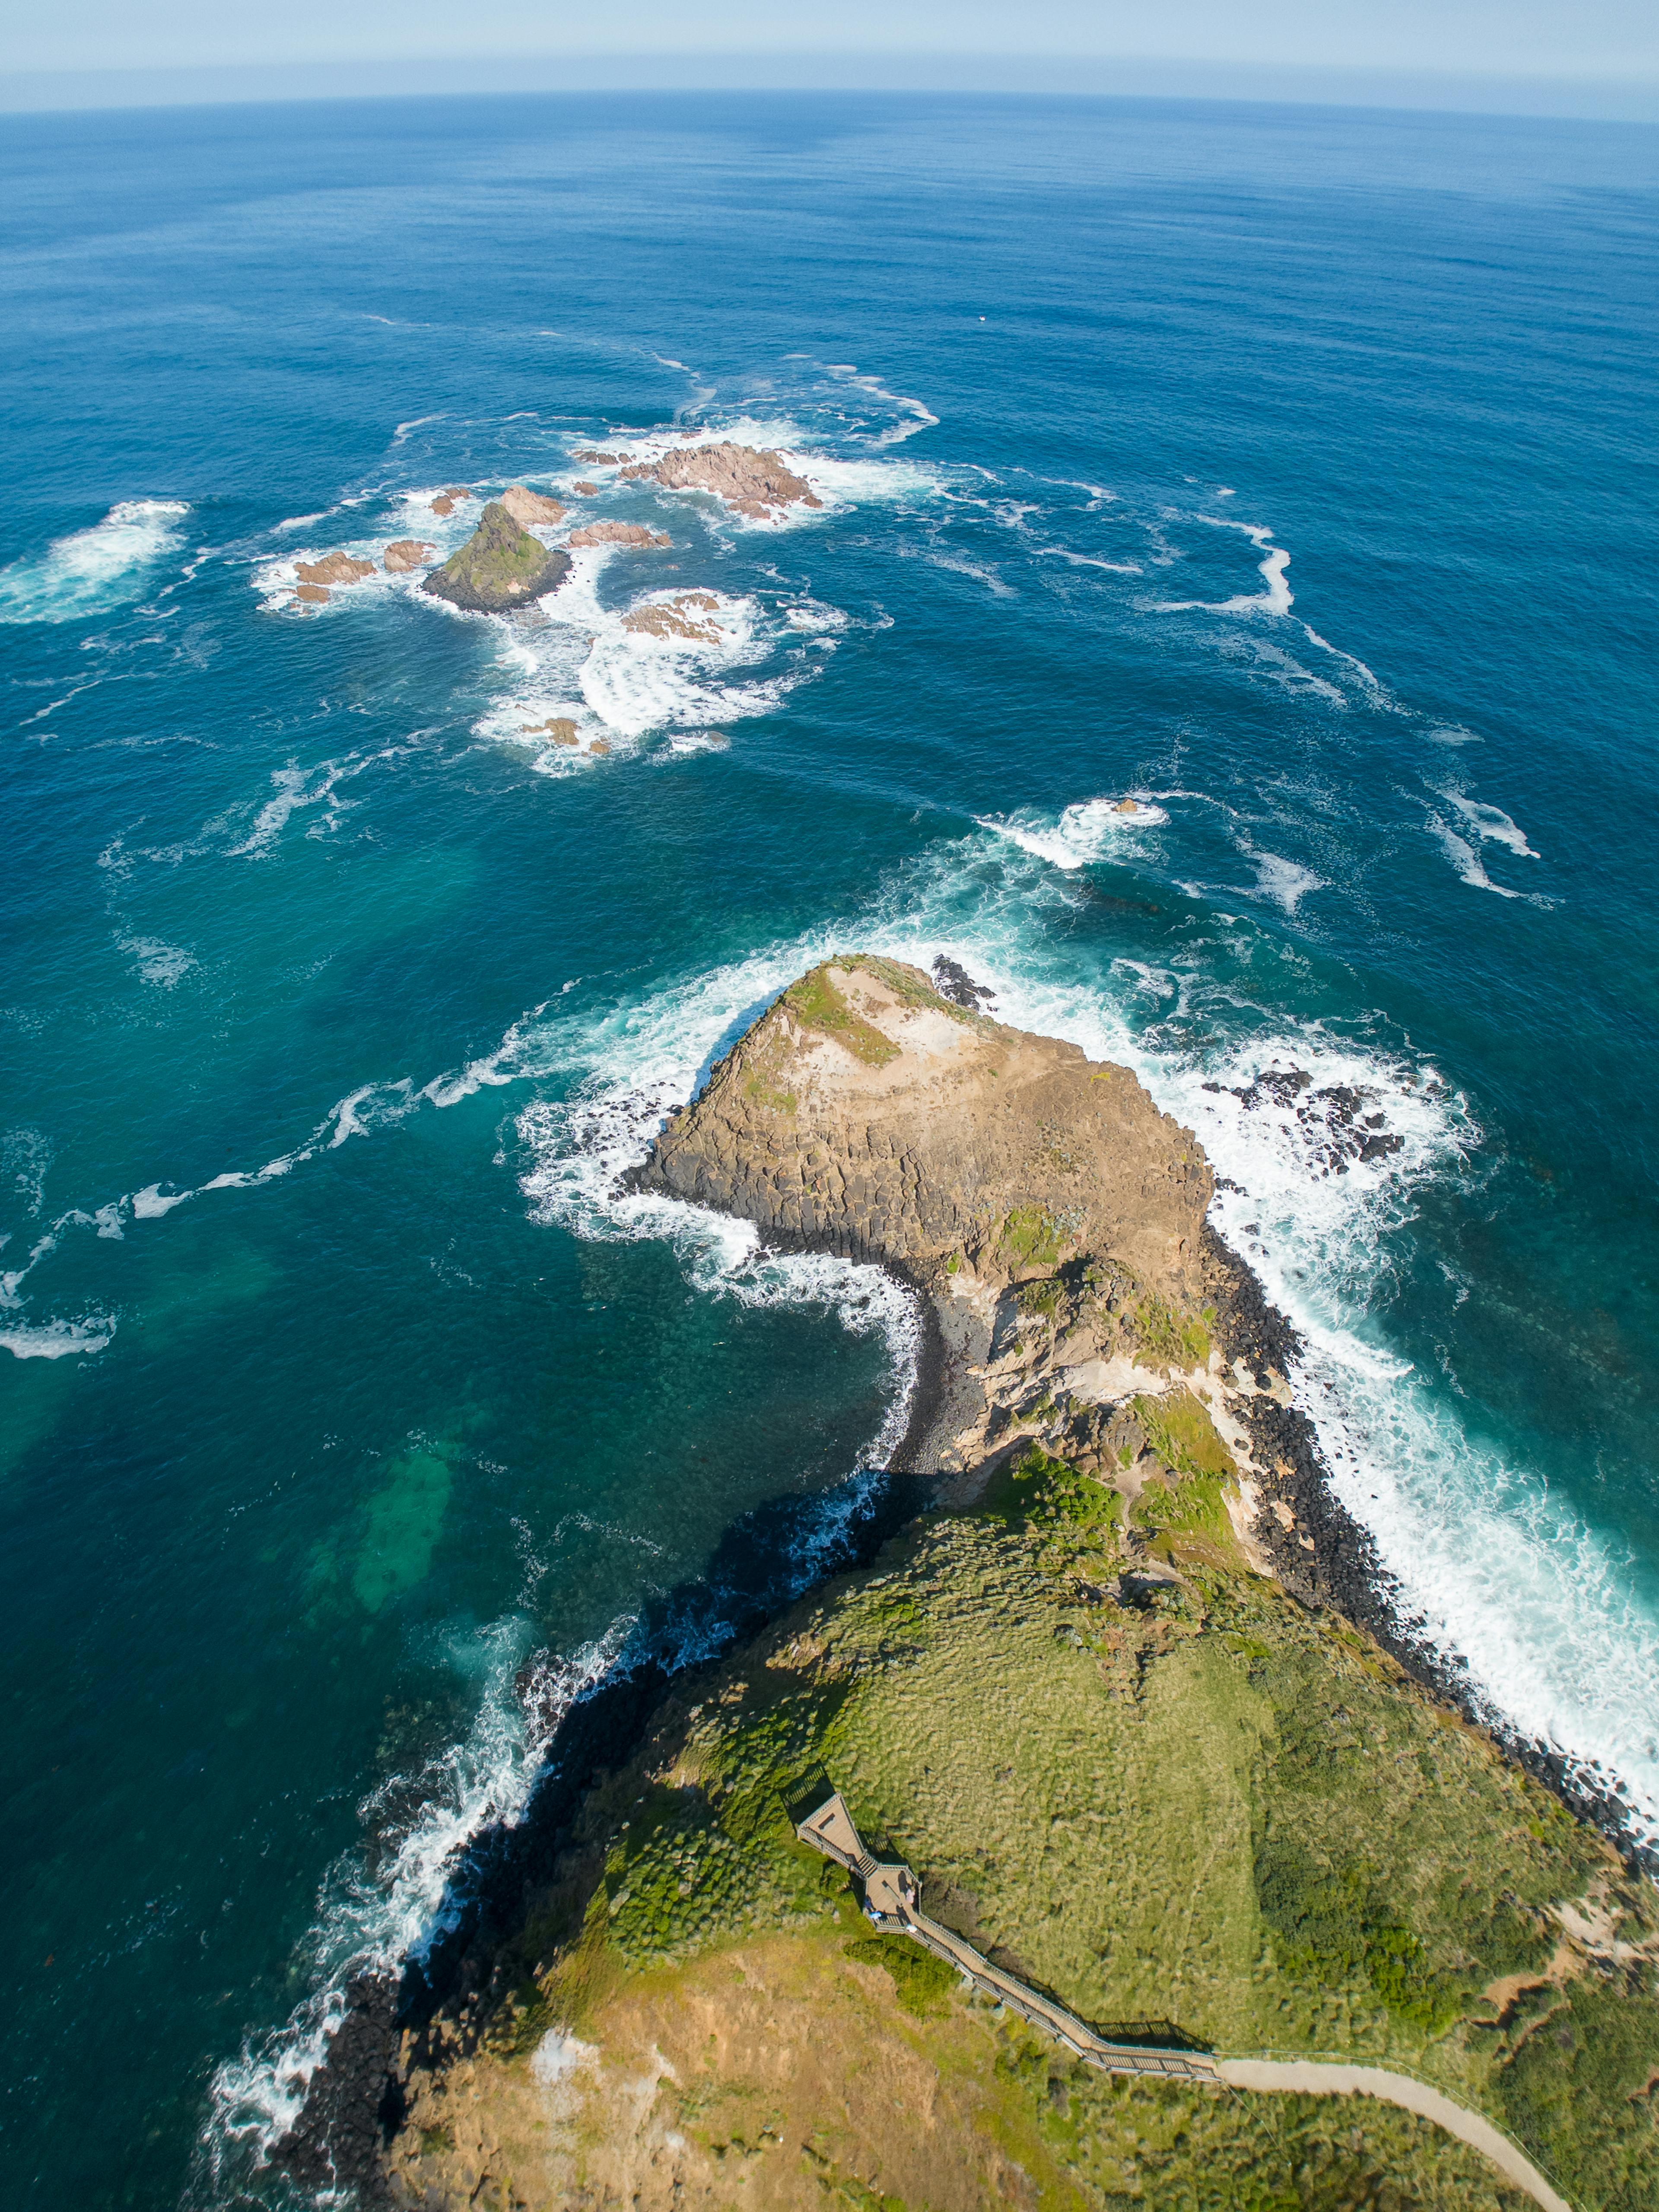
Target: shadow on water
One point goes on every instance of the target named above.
(764, 1561)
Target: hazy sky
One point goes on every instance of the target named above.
(1567, 42)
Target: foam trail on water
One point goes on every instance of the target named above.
(1275, 599)
(93, 570)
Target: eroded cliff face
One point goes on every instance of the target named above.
(866, 1113)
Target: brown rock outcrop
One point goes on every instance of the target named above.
(585, 491)
(676, 617)
(558, 730)
(500, 567)
(529, 508)
(312, 595)
(866, 1113)
(757, 484)
(617, 534)
(336, 567)
(406, 553)
(597, 458)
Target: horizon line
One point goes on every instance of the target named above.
(371, 77)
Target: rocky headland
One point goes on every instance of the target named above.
(1114, 1694)
(502, 566)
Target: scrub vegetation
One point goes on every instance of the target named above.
(1145, 1778)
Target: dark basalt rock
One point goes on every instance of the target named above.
(501, 566)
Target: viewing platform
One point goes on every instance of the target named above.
(891, 1898)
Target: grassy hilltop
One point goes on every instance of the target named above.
(1189, 1802)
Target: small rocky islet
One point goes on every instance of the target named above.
(1127, 1694)
(504, 566)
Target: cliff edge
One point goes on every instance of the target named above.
(867, 1113)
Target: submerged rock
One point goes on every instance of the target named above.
(676, 617)
(758, 483)
(529, 507)
(337, 568)
(617, 534)
(500, 567)
(406, 553)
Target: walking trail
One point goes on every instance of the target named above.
(891, 1892)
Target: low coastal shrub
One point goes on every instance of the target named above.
(922, 1982)
(1195, 1801)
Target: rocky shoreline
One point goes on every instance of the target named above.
(1074, 1300)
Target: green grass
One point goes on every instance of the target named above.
(1031, 1236)
(1205, 1806)
(817, 1005)
(922, 1982)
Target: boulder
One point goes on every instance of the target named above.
(676, 617)
(500, 567)
(757, 484)
(312, 595)
(608, 459)
(529, 507)
(406, 553)
(336, 567)
(585, 491)
(617, 534)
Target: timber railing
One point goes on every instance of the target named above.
(890, 1899)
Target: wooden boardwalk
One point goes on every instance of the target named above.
(890, 1899)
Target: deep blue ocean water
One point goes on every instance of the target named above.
(1291, 472)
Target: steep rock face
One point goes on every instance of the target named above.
(500, 567)
(866, 1113)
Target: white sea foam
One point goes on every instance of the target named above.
(57, 1340)
(1275, 599)
(157, 962)
(1286, 883)
(93, 570)
(624, 685)
(1490, 823)
(914, 414)
(1088, 831)
(374, 1911)
(1467, 861)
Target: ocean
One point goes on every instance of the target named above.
(1291, 471)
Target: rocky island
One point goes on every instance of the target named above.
(502, 566)
(757, 483)
(1115, 1696)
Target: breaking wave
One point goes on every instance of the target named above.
(93, 571)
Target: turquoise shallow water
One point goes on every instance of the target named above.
(1291, 472)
